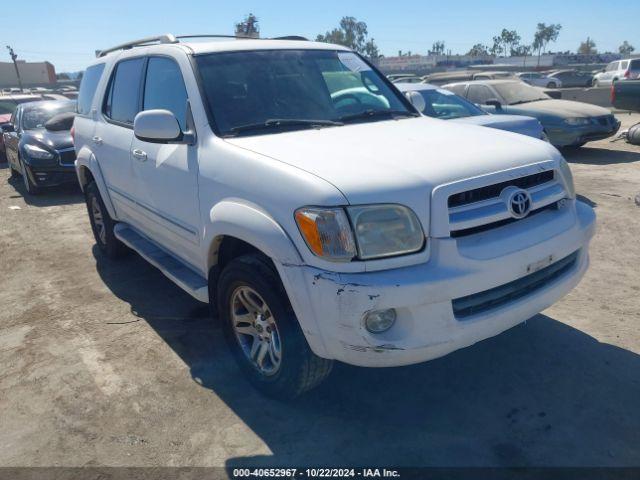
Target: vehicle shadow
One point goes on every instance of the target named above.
(600, 156)
(542, 393)
(48, 197)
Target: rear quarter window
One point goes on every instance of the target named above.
(88, 88)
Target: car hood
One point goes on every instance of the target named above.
(559, 108)
(398, 160)
(512, 123)
(52, 140)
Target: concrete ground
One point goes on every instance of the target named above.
(105, 363)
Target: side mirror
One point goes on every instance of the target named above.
(494, 102)
(157, 126)
(416, 100)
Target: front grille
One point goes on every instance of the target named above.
(493, 191)
(500, 223)
(67, 156)
(481, 302)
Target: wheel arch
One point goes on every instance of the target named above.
(88, 170)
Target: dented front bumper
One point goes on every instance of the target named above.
(330, 306)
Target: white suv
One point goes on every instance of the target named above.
(616, 71)
(293, 186)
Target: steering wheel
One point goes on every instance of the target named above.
(347, 96)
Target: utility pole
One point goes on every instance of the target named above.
(14, 57)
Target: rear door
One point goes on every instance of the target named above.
(166, 174)
(114, 132)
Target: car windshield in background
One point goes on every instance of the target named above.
(8, 105)
(260, 92)
(518, 92)
(446, 105)
(34, 117)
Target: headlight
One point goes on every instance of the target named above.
(327, 233)
(36, 152)
(568, 178)
(576, 121)
(383, 230)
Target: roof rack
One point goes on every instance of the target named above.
(166, 38)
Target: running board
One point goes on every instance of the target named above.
(170, 266)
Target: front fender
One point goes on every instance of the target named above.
(251, 224)
(85, 159)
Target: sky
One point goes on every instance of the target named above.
(68, 33)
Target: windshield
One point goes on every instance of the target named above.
(292, 89)
(446, 105)
(518, 92)
(34, 117)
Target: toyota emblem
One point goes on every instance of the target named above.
(519, 203)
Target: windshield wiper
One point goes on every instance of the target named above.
(519, 102)
(285, 122)
(378, 113)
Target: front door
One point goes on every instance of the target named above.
(166, 174)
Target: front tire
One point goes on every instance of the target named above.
(263, 332)
(552, 85)
(102, 224)
(29, 186)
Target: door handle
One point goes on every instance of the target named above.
(139, 154)
(97, 140)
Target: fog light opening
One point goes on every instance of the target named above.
(378, 321)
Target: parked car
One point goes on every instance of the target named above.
(8, 104)
(441, 78)
(566, 123)
(618, 70)
(569, 78)
(537, 79)
(626, 95)
(42, 157)
(408, 79)
(323, 229)
(440, 103)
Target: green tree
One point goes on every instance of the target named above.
(437, 48)
(353, 34)
(626, 48)
(478, 50)
(248, 27)
(588, 47)
(543, 36)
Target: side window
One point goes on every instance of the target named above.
(164, 89)
(612, 66)
(480, 94)
(457, 89)
(624, 65)
(123, 100)
(88, 87)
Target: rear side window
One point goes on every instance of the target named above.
(123, 99)
(164, 89)
(624, 65)
(88, 87)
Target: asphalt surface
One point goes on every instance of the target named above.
(109, 363)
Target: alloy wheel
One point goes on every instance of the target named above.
(98, 220)
(256, 330)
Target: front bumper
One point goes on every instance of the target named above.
(330, 306)
(51, 176)
(566, 136)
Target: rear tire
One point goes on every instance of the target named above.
(102, 224)
(552, 85)
(254, 309)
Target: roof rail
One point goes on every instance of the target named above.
(166, 38)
